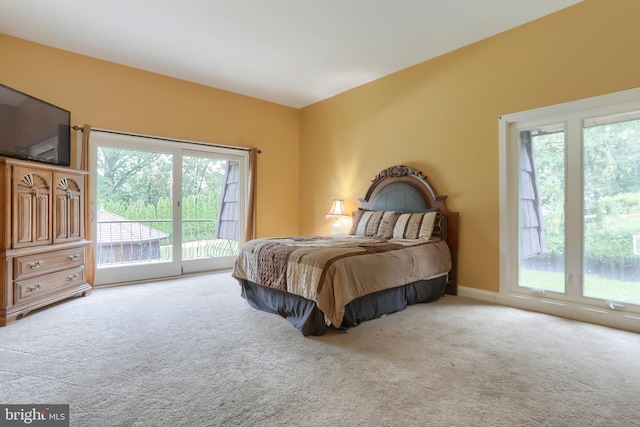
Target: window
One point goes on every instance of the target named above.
(570, 209)
(164, 207)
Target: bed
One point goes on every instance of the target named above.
(401, 250)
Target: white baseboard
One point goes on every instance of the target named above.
(599, 316)
(478, 294)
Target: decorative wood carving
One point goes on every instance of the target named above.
(34, 182)
(397, 171)
(67, 185)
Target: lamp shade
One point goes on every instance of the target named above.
(337, 209)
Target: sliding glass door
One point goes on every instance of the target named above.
(611, 194)
(542, 208)
(574, 214)
(163, 208)
(212, 213)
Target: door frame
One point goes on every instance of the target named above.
(108, 275)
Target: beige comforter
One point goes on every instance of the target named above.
(333, 271)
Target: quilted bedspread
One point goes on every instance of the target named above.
(333, 271)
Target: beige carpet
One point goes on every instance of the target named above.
(191, 352)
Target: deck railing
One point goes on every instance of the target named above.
(128, 241)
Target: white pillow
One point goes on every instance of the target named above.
(415, 225)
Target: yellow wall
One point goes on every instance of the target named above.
(441, 117)
(111, 96)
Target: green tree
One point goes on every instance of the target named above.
(612, 189)
(127, 176)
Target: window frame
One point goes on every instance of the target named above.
(571, 304)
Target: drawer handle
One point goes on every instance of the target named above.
(36, 264)
(73, 277)
(33, 288)
(74, 257)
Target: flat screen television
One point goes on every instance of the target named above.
(33, 129)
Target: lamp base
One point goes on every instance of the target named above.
(336, 228)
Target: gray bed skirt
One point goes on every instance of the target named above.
(309, 319)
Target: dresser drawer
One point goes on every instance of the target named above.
(37, 287)
(35, 265)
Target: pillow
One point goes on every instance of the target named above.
(414, 225)
(357, 215)
(387, 223)
(373, 223)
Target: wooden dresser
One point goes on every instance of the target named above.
(42, 237)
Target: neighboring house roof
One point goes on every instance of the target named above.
(228, 226)
(113, 228)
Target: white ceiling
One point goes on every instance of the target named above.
(291, 52)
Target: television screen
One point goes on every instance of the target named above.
(32, 129)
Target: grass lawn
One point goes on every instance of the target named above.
(595, 287)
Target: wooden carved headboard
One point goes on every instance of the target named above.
(404, 189)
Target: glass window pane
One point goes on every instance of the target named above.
(134, 218)
(210, 214)
(612, 208)
(542, 215)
